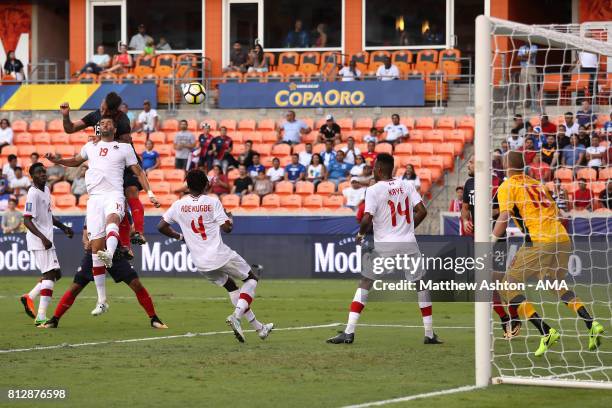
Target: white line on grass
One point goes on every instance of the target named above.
(401, 326)
(415, 397)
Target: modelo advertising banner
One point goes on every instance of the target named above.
(336, 94)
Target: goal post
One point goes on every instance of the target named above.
(501, 92)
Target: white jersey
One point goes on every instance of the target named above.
(107, 162)
(38, 206)
(200, 219)
(391, 204)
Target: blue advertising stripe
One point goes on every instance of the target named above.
(6, 91)
(322, 94)
(132, 94)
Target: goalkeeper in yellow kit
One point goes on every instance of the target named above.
(545, 252)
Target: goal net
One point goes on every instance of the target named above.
(528, 81)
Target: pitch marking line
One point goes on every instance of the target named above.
(415, 397)
(187, 335)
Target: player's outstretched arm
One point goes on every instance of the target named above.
(70, 126)
(27, 221)
(65, 229)
(165, 228)
(75, 161)
(144, 182)
(419, 212)
(501, 224)
(465, 217)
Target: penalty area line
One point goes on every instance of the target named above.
(415, 397)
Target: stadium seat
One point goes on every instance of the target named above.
(309, 62)
(552, 83)
(605, 173)
(7, 150)
(156, 175)
(426, 180)
(466, 123)
(156, 137)
(160, 187)
(65, 201)
(230, 201)
(564, 174)
(150, 79)
(275, 76)
(129, 78)
(174, 175)
(250, 201)
(435, 164)
(344, 185)
(363, 124)
(296, 76)
(384, 148)
(414, 74)
(313, 202)
(281, 150)
(254, 77)
(597, 187)
(291, 201)
(144, 65)
(247, 125)
(25, 150)
(166, 163)
(382, 122)
(66, 150)
(315, 77)
(41, 138)
(361, 60)
(23, 138)
(423, 148)
(304, 188)
(377, 58)
(449, 62)
(346, 124)
(433, 136)
(579, 83)
(170, 125)
(61, 187)
(266, 124)
(326, 188)
(271, 58)
(165, 150)
(416, 135)
(426, 61)
(288, 62)
(403, 60)
(445, 122)
(108, 78)
(232, 76)
(78, 138)
(56, 125)
(447, 152)
(37, 125)
(164, 64)
(19, 126)
(43, 149)
(60, 138)
(403, 149)
(587, 173)
(230, 124)
(414, 161)
(270, 201)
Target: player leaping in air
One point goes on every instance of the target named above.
(201, 219)
(393, 209)
(106, 204)
(545, 253)
(39, 222)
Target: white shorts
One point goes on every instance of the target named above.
(236, 267)
(46, 260)
(99, 207)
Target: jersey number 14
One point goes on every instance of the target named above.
(395, 211)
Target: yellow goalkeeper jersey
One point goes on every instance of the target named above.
(533, 209)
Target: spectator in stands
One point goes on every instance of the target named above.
(372, 136)
(328, 155)
(184, 142)
(584, 137)
(529, 151)
(55, 174)
(330, 130)
(316, 171)
(357, 169)
(121, 62)
(263, 185)
(349, 73)
(12, 219)
(98, 62)
(560, 196)
(547, 127)
(396, 132)
(8, 170)
(20, 184)
(573, 154)
(243, 184)
(221, 150)
(562, 139)
(275, 173)
(354, 194)
(571, 126)
(238, 59)
(505, 146)
(585, 116)
(257, 61)
(549, 151)
(595, 154)
(515, 141)
(520, 125)
(255, 168)
(607, 129)
(306, 155)
(583, 197)
(204, 141)
(497, 164)
(455, 204)
(605, 197)
(149, 49)
(163, 45)
(370, 155)
(539, 169)
(350, 151)
(219, 183)
(14, 67)
(295, 171)
(139, 40)
(321, 33)
(338, 170)
(367, 176)
(148, 119)
(412, 177)
(34, 158)
(387, 71)
(291, 130)
(531, 133)
(150, 157)
(587, 63)
(529, 74)
(246, 157)
(79, 187)
(6, 133)
(298, 38)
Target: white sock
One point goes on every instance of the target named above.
(357, 305)
(33, 294)
(425, 306)
(46, 291)
(249, 314)
(112, 238)
(99, 274)
(247, 293)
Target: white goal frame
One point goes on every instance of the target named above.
(482, 180)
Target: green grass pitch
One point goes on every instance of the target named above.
(291, 368)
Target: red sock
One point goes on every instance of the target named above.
(137, 214)
(146, 302)
(124, 232)
(64, 304)
(498, 306)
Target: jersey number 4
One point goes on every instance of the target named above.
(395, 211)
(199, 229)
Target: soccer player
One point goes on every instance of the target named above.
(105, 207)
(393, 209)
(121, 271)
(109, 107)
(201, 219)
(511, 325)
(39, 222)
(545, 253)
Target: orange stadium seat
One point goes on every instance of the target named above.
(166, 163)
(333, 202)
(164, 64)
(284, 187)
(426, 61)
(166, 200)
(275, 76)
(144, 65)
(65, 201)
(270, 201)
(254, 77)
(7, 150)
(129, 78)
(413, 74)
(250, 201)
(232, 77)
(587, 173)
(170, 125)
(382, 122)
(288, 62)
(422, 148)
(161, 187)
(434, 136)
(564, 174)
(384, 148)
(230, 124)
(313, 201)
(552, 83)
(445, 122)
(41, 138)
(266, 124)
(19, 126)
(37, 125)
(66, 150)
(309, 62)
(344, 185)
(605, 173)
(417, 135)
(449, 62)
(26, 150)
(247, 124)
(165, 150)
(579, 83)
(271, 58)
(61, 187)
(361, 59)
(414, 161)
(174, 175)
(156, 175)
(156, 137)
(377, 58)
(403, 60)
(291, 201)
(56, 125)
(230, 201)
(78, 138)
(326, 188)
(23, 138)
(345, 124)
(296, 76)
(60, 138)
(466, 123)
(281, 150)
(435, 164)
(304, 188)
(150, 79)
(363, 124)
(403, 149)
(43, 149)
(447, 152)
